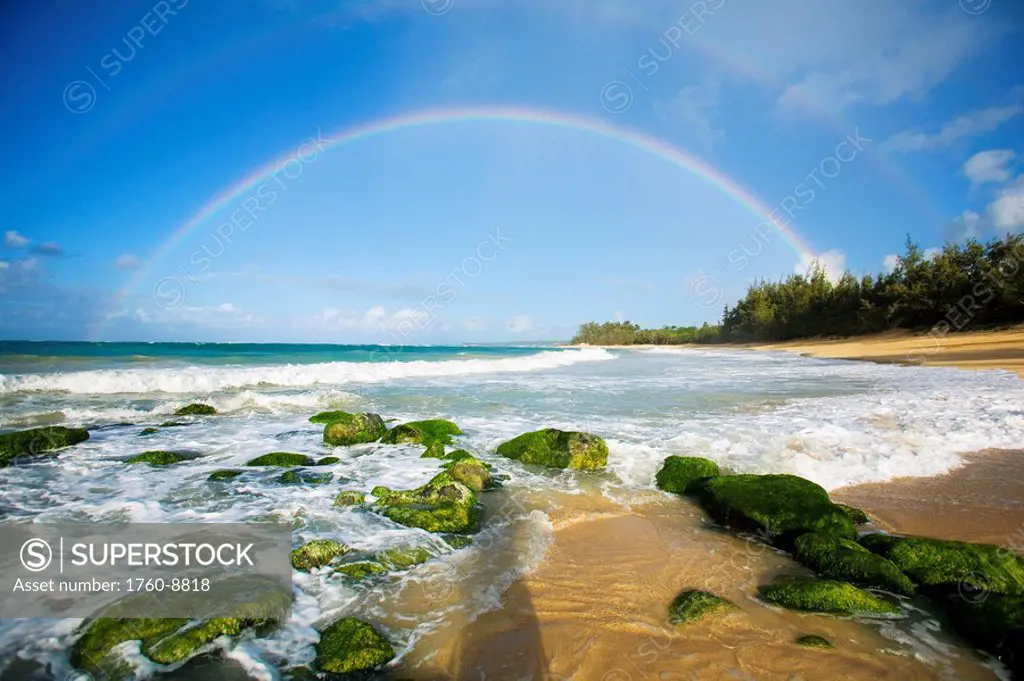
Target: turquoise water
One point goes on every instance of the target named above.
(832, 421)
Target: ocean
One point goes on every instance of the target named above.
(835, 422)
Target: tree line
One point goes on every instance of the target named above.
(964, 286)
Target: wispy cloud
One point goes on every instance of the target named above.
(127, 261)
(50, 249)
(989, 166)
(967, 125)
(13, 239)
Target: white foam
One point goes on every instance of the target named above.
(207, 379)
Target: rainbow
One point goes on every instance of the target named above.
(631, 138)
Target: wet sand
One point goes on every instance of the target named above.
(1002, 349)
(982, 501)
(596, 608)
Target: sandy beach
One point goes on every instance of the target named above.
(595, 607)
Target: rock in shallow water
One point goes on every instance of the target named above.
(557, 449)
(429, 432)
(442, 505)
(351, 645)
(196, 409)
(824, 595)
(812, 641)
(317, 553)
(848, 561)
(949, 567)
(693, 604)
(677, 472)
(37, 441)
(352, 429)
(778, 507)
(281, 459)
(157, 458)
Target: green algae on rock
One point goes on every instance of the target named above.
(692, 604)
(848, 561)
(351, 645)
(943, 566)
(471, 472)
(817, 642)
(361, 569)
(328, 461)
(824, 595)
(349, 498)
(37, 441)
(317, 553)
(992, 622)
(281, 459)
(557, 449)
(299, 476)
(326, 417)
(778, 507)
(157, 458)
(196, 409)
(224, 474)
(174, 424)
(403, 557)
(435, 450)
(677, 472)
(353, 429)
(442, 505)
(856, 515)
(423, 432)
(186, 642)
(149, 431)
(92, 651)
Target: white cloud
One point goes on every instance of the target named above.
(1007, 211)
(833, 262)
(691, 110)
(520, 324)
(127, 261)
(967, 225)
(49, 248)
(13, 239)
(931, 253)
(967, 125)
(890, 262)
(989, 166)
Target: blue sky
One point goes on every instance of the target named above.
(128, 117)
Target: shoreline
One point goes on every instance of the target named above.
(1001, 349)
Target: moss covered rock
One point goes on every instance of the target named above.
(281, 459)
(349, 498)
(299, 476)
(361, 569)
(351, 645)
(435, 450)
(186, 642)
(196, 409)
(149, 431)
(403, 557)
(941, 566)
(442, 505)
(224, 474)
(353, 429)
(326, 417)
(163, 640)
(692, 604)
(778, 507)
(848, 561)
(856, 515)
(992, 622)
(557, 449)
(317, 553)
(824, 595)
(92, 651)
(328, 461)
(679, 471)
(812, 641)
(471, 472)
(38, 441)
(423, 432)
(157, 458)
(174, 424)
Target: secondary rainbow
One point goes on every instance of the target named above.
(632, 138)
